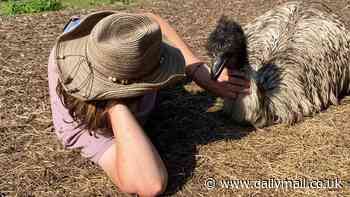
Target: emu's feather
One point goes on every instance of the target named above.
(298, 57)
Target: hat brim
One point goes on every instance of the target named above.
(90, 85)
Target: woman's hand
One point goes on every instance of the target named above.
(229, 84)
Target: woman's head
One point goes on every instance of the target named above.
(113, 55)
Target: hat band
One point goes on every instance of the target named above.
(126, 81)
(112, 79)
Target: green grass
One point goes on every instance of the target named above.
(13, 7)
(92, 3)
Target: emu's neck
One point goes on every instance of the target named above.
(248, 109)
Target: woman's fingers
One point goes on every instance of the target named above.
(239, 89)
(239, 82)
(235, 81)
(227, 94)
(235, 88)
(228, 90)
(234, 77)
(233, 95)
(235, 73)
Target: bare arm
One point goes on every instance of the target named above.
(133, 163)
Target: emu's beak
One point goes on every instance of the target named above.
(218, 67)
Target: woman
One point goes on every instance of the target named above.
(104, 74)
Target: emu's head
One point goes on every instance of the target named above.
(228, 44)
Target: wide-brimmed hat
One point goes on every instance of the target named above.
(113, 55)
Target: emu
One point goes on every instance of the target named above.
(296, 56)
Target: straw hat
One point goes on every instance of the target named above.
(116, 55)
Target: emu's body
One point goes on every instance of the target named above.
(298, 61)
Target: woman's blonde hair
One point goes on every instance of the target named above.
(90, 115)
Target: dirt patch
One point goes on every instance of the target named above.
(195, 145)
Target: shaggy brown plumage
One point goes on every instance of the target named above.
(298, 57)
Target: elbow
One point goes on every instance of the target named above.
(144, 188)
(147, 189)
(155, 189)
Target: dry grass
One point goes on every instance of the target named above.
(194, 144)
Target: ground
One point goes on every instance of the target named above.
(194, 144)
